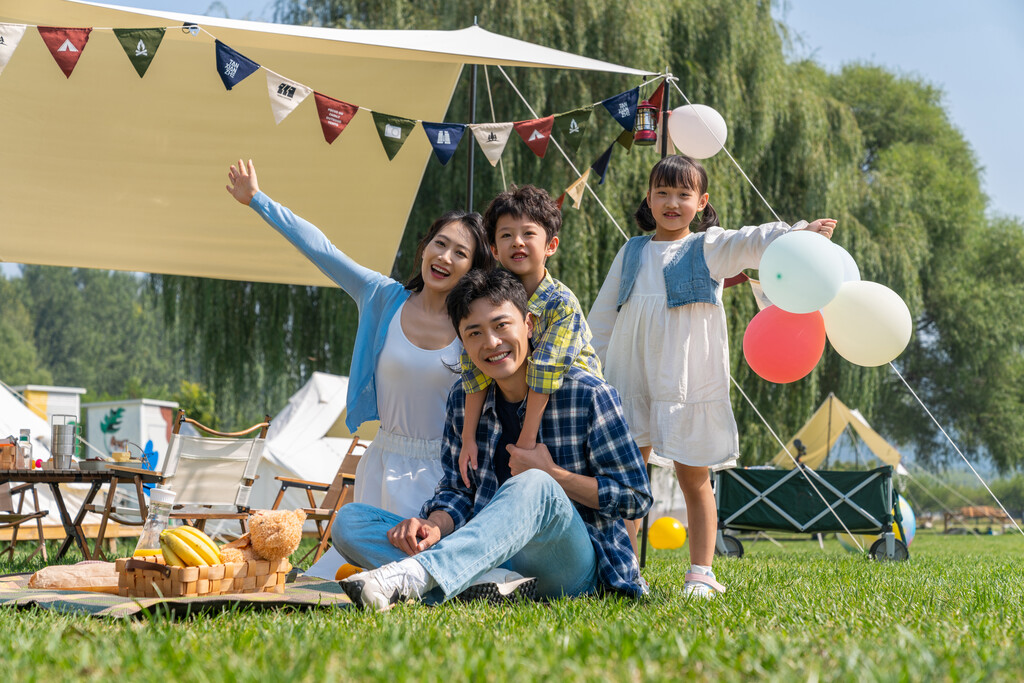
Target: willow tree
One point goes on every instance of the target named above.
(815, 145)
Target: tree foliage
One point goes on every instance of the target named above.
(873, 149)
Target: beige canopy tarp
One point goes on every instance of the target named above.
(825, 427)
(107, 170)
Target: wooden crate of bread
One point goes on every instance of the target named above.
(152, 578)
(8, 456)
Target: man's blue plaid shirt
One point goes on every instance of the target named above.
(586, 433)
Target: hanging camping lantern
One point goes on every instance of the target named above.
(646, 124)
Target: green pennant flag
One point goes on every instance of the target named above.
(572, 125)
(393, 131)
(140, 44)
(625, 139)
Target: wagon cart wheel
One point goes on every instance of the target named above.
(899, 552)
(731, 546)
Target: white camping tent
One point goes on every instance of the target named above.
(144, 160)
(15, 416)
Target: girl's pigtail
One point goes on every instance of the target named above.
(643, 217)
(708, 219)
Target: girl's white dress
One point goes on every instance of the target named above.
(671, 365)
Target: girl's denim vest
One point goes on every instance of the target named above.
(687, 278)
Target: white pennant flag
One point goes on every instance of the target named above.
(10, 36)
(492, 138)
(285, 94)
(576, 189)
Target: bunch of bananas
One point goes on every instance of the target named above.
(186, 546)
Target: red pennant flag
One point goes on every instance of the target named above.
(334, 115)
(656, 97)
(66, 45)
(560, 200)
(536, 133)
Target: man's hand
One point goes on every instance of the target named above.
(536, 458)
(414, 535)
(823, 226)
(467, 459)
(243, 185)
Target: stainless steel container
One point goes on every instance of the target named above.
(64, 434)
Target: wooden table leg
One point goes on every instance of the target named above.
(94, 488)
(109, 503)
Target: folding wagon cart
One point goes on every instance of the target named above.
(759, 499)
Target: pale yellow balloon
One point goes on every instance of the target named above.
(867, 323)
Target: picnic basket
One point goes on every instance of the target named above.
(152, 577)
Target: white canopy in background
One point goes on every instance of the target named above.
(107, 170)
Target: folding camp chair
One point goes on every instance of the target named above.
(337, 493)
(11, 518)
(211, 476)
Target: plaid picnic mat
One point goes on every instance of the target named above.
(305, 593)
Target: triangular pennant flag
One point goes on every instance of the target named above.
(66, 45)
(492, 138)
(334, 115)
(10, 36)
(285, 95)
(625, 139)
(536, 133)
(622, 107)
(444, 138)
(140, 44)
(393, 131)
(600, 166)
(560, 201)
(572, 124)
(576, 189)
(656, 98)
(233, 67)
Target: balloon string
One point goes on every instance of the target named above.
(797, 464)
(725, 149)
(914, 394)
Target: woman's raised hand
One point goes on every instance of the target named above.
(243, 185)
(823, 226)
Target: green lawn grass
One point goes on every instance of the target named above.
(953, 612)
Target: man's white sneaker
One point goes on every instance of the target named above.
(701, 586)
(381, 588)
(500, 585)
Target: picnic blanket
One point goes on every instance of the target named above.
(304, 593)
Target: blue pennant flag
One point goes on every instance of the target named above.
(233, 67)
(622, 107)
(444, 138)
(600, 167)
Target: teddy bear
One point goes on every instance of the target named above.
(273, 535)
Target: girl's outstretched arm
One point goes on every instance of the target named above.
(243, 185)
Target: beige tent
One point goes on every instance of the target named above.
(107, 170)
(825, 427)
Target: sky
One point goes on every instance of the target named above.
(972, 52)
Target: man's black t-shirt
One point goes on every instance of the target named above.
(511, 426)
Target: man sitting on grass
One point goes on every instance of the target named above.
(553, 512)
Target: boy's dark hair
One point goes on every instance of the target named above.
(529, 201)
(497, 286)
(676, 170)
(482, 257)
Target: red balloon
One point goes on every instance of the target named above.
(783, 347)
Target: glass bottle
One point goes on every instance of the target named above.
(161, 499)
(24, 451)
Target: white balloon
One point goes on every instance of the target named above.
(800, 271)
(689, 127)
(867, 323)
(850, 269)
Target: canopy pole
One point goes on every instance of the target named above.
(469, 151)
(664, 153)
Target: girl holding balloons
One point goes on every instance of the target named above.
(660, 331)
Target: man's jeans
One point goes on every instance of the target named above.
(530, 526)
